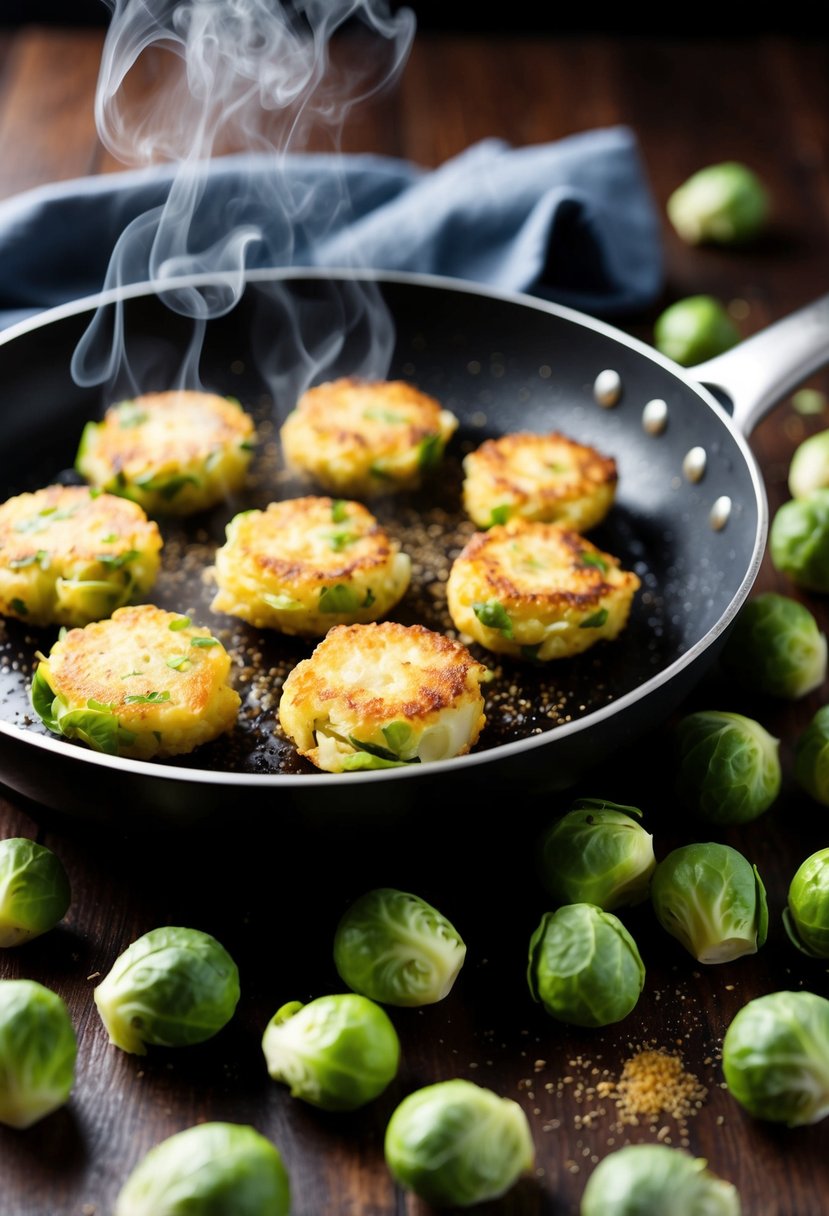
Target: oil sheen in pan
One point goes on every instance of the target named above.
(522, 699)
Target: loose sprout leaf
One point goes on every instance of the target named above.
(397, 735)
(19, 606)
(149, 698)
(381, 753)
(603, 804)
(166, 487)
(40, 558)
(338, 598)
(494, 615)
(101, 706)
(499, 515)
(359, 761)
(203, 643)
(594, 559)
(429, 452)
(179, 662)
(762, 909)
(116, 561)
(595, 620)
(98, 729)
(339, 511)
(341, 540)
(282, 603)
(43, 701)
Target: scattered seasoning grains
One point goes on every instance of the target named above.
(654, 1083)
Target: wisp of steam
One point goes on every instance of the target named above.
(238, 88)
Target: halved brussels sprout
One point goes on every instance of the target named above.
(712, 900)
(776, 1057)
(213, 1169)
(584, 966)
(729, 767)
(806, 916)
(654, 1180)
(38, 1049)
(598, 854)
(34, 890)
(397, 949)
(337, 1052)
(776, 647)
(171, 988)
(457, 1144)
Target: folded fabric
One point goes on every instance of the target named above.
(571, 221)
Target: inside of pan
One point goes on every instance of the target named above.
(498, 365)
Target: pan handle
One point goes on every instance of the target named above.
(759, 372)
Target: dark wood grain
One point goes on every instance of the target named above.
(273, 898)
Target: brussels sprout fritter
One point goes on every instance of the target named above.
(383, 695)
(306, 564)
(365, 438)
(549, 478)
(146, 683)
(70, 555)
(538, 591)
(175, 453)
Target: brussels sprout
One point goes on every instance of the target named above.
(809, 467)
(806, 916)
(598, 854)
(729, 767)
(34, 890)
(456, 1144)
(723, 204)
(38, 1049)
(776, 648)
(397, 949)
(694, 329)
(811, 757)
(711, 900)
(213, 1169)
(584, 966)
(337, 1052)
(170, 988)
(799, 541)
(653, 1179)
(776, 1057)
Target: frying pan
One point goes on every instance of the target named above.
(690, 517)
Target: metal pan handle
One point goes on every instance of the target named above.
(759, 372)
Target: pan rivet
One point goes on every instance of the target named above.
(607, 388)
(655, 416)
(720, 513)
(693, 466)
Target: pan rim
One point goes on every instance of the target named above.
(211, 777)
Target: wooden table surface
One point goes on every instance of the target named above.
(273, 896)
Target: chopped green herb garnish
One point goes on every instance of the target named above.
(498, 515)
(340, 540)
(594, 559)
(381, 415)
(595, 621)
(368, 599)
(181, 622)
(18, 606)
(95, 491)
(494, 615)
(339, 511)
(166, 487)
(115, 561)
(205, 642)
(150, 698)
(429, 452)
(109, 539)
(100, 706)
(382, 474)
(130, 674)
(179, 662)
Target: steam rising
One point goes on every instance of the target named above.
(184, 82)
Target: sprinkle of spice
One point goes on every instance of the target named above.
(653, 1084)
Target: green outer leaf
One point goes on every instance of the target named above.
(806, 917)
(43, 701)
(208, 1168)
(282, 603)
(729, 768)
(395, 948)
(338, 1052)
(430, 452)
(337, 599)
(172, 987)
(595, 620)
(363, 760)
(34, 890)
(494, 615)
(775, 1057)
(38, 1050)
(499, 515)
(711, 899)
(457, 1144)
(339, 511)
(811, 757)
(584, 967)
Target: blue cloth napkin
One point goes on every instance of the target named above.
(571, 221)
